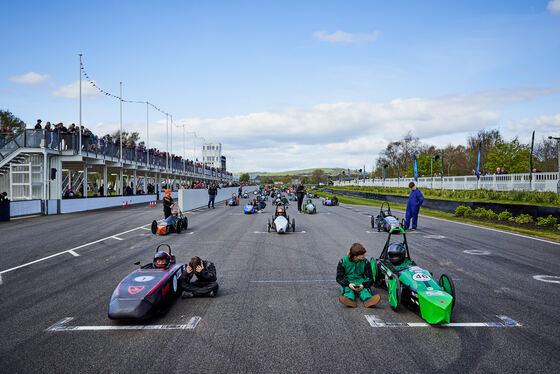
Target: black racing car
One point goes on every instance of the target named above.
(148, 289)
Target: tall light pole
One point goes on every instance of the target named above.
(147, 134)
(121, 158)
(167, 139)
(80, 119)
(558, 150)
(120, 101)
(171, 139)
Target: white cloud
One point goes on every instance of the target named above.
(546, 125)
(72, 91)
(345, 134)
(554, 7)
(345, 37)
(29, 78)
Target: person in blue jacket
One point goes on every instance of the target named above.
(415, 200)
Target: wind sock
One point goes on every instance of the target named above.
(415, 169)
(364, 169)
(478, 164)
(348, 174)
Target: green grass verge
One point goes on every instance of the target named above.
(482, 196)
(449, 216)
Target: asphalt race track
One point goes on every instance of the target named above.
(277, 310)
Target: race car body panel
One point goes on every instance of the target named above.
(140, 294)
(281, 224)
(249, 209)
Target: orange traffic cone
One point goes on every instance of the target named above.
(123, 204)
(130, 205)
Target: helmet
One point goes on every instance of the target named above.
(161, 255)
(396, 253)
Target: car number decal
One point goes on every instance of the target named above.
(133, 290)
(420, 277)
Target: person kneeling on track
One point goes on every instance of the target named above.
(167, 204)
(205, 284)
(354, 275)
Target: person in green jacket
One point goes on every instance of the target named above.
(354, 275)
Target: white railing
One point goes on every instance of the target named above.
(507, 182)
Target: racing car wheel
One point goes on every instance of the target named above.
(268, 225)
(185, 223)
(447, 284)
(293, 224)
(154, 227)
(179, 226)
(372, 222)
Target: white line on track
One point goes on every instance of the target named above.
(286, 233)
(68, 250)
(506, 322)
(115, 237)
(491, 229)
(59, 326)
(145, 228)
(73, 253)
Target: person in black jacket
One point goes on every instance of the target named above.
(300, 193)
(212, 192)
(167, 204)
(206, 280)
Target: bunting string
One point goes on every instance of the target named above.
(106, 93)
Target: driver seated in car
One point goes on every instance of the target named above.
(161, 260)
(334, 200)
(206, 281)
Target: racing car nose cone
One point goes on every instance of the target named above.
(129, 309)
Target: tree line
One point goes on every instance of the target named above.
(496, 152)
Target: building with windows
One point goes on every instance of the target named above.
(212, 155)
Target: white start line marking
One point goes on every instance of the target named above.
(434, 236)
(61, 326)
(286, 233)
(542, 278)
(477, 252)
(506, 322)
(73, 253)
(70, 251)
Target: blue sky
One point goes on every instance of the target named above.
(290, 84)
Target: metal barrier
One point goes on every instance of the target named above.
(508, 182)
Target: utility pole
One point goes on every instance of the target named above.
(80, 119)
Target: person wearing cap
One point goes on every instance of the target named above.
(355, 277)
(167, 203)
(38, 125)
(413, 204)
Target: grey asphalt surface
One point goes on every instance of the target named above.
(271, 327)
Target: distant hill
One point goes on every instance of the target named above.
(328, 171)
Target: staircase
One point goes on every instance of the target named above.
(77, 181)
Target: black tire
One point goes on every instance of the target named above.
(268, 226)
(372, 222)
(154, 227)
(178, 227)
(293, 224)
(185, 223)
(447, 284)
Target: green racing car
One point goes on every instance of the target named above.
(408, 284)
